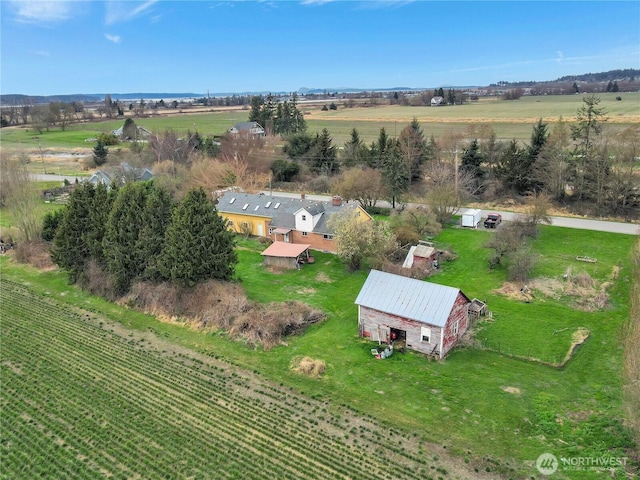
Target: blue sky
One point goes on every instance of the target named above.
(65, 47)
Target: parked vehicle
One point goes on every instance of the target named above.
(471, 218)
(493, 220)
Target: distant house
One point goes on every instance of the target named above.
(437, 101)
(289, 220)
(120, 175)
(100, 177)
(286, 255)
(424, 316)
(251, 128)
(134, 173)
(143, 134)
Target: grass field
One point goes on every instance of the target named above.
(509, 119)
(498, 412)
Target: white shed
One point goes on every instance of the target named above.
(471, 218)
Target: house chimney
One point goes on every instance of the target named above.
(336, 200)
(302, 196)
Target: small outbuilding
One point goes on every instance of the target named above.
(424, 316)
(287, 255)
(423, 253)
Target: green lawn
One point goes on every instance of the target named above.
(477, 403)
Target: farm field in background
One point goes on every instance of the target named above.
(509, 119)
(494, 411)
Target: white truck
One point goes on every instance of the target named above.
(471, 218)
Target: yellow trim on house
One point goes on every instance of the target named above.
(247, 224)
(364, 216)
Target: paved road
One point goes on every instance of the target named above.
(568, 222)
(49, 177)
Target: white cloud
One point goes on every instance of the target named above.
(31, 11)
(559, 56)
(113, 38)
(118, 11)
(315, 2)
(41, 53)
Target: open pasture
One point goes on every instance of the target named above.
(509, 119)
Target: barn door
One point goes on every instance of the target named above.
(380, 334)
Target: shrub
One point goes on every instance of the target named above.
(35, 254)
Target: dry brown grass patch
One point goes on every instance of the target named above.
(512, 390)
(323, 278)
(585, 292)
(35, 254)
(309, 367)
(217, 305)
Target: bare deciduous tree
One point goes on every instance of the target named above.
(362, 184)
(20, 198)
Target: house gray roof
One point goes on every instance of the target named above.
(418, 300)
(246, 126)
(100, 176)
(281, 210)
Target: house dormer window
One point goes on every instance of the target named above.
(246, 205)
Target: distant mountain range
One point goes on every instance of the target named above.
(630, 74)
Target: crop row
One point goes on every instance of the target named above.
(92, 402)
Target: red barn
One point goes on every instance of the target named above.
(428, 317)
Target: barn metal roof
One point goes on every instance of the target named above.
(408, 298)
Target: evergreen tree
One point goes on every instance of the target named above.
(156, 218)
(50, 224)
(352, 155)
(298, 145)
(123, 254)
(100, 208)
(396, 175)
(100, 153)
(284, 171)
(511, 168)
(70, 250)
(324, 155)
(377, 150)
(539, 138)
(198, 245)
(584, 133)
(414, 148)
(255, 112)
(130, 130)
(451, 97)
(472, 159)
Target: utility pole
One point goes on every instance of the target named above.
(44, 167)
